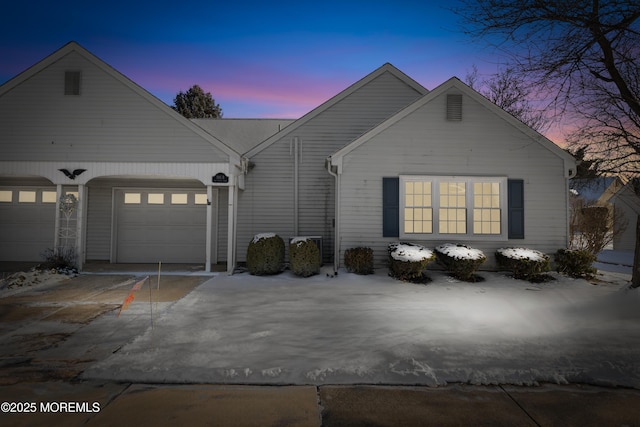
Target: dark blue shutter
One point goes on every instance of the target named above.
(515, 208)
(391, 207)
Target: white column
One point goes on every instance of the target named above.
(207, 266)
(81, 214)
(231, 229)
(56, 239)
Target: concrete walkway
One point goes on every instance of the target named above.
(109, 404)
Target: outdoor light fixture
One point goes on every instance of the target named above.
(72, 175)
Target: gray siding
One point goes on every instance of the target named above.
(424, 143)
(267, 204)
(108, 121)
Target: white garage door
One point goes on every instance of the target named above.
(157, 225)
(27, 222)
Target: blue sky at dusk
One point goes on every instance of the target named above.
(258, 59)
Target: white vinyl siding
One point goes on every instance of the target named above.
(425, 143)
(108, 122)
(267, 203)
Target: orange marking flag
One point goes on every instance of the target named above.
(130, 297)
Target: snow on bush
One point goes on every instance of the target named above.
(408, 261)
(265, 254)
(460, 260)
(525, 263)
(304, 257)
(261, 236)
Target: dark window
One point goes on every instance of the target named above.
(72, 82)
(454, 107)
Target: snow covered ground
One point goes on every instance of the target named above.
(374, 329)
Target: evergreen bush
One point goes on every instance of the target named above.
(460, 260)
(524, 263)
(304, 257)
(408, 261)
(359, 260)
(265, 254)
(576, 263)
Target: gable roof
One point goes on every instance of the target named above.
(624, 190)
(593, 188)
(386, 68)
(103, 66)
(243, 134)
(454, 82)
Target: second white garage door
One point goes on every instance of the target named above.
(154, 225)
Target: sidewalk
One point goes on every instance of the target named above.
(220, 405)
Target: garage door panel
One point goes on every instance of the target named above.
(148, 232)
(26, 229)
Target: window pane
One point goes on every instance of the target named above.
(131, 198)
(179, 199)
(201, 199)
(26, 196)
(6, 195)
(408, 214)
(48, 197)
(155, 198)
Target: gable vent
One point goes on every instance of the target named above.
(454, 107)
(72, 82)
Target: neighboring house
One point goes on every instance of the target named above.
(146, 193)
(623, 195)
(384, 160)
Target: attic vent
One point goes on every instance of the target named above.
(454, 107)
(72, 82)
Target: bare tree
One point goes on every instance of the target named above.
(584, 54)
(512, 94)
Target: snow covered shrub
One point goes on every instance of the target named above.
(576, 263)
(304, 257)
(460, 260)
(359, 260)
(525, 263)
(265, 254)
(408, 261)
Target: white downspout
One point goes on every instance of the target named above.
(296, 175)
(336, 231)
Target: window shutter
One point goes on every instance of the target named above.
(391, 207)
(515, 208)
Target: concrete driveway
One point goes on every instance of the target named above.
(41, 326)
(46, 345)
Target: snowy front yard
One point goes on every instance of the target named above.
(375, 329)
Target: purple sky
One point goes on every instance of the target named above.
(258, 59)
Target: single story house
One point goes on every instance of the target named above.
(623, 195)
(384, 160)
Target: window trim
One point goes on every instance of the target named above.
(435, 206)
